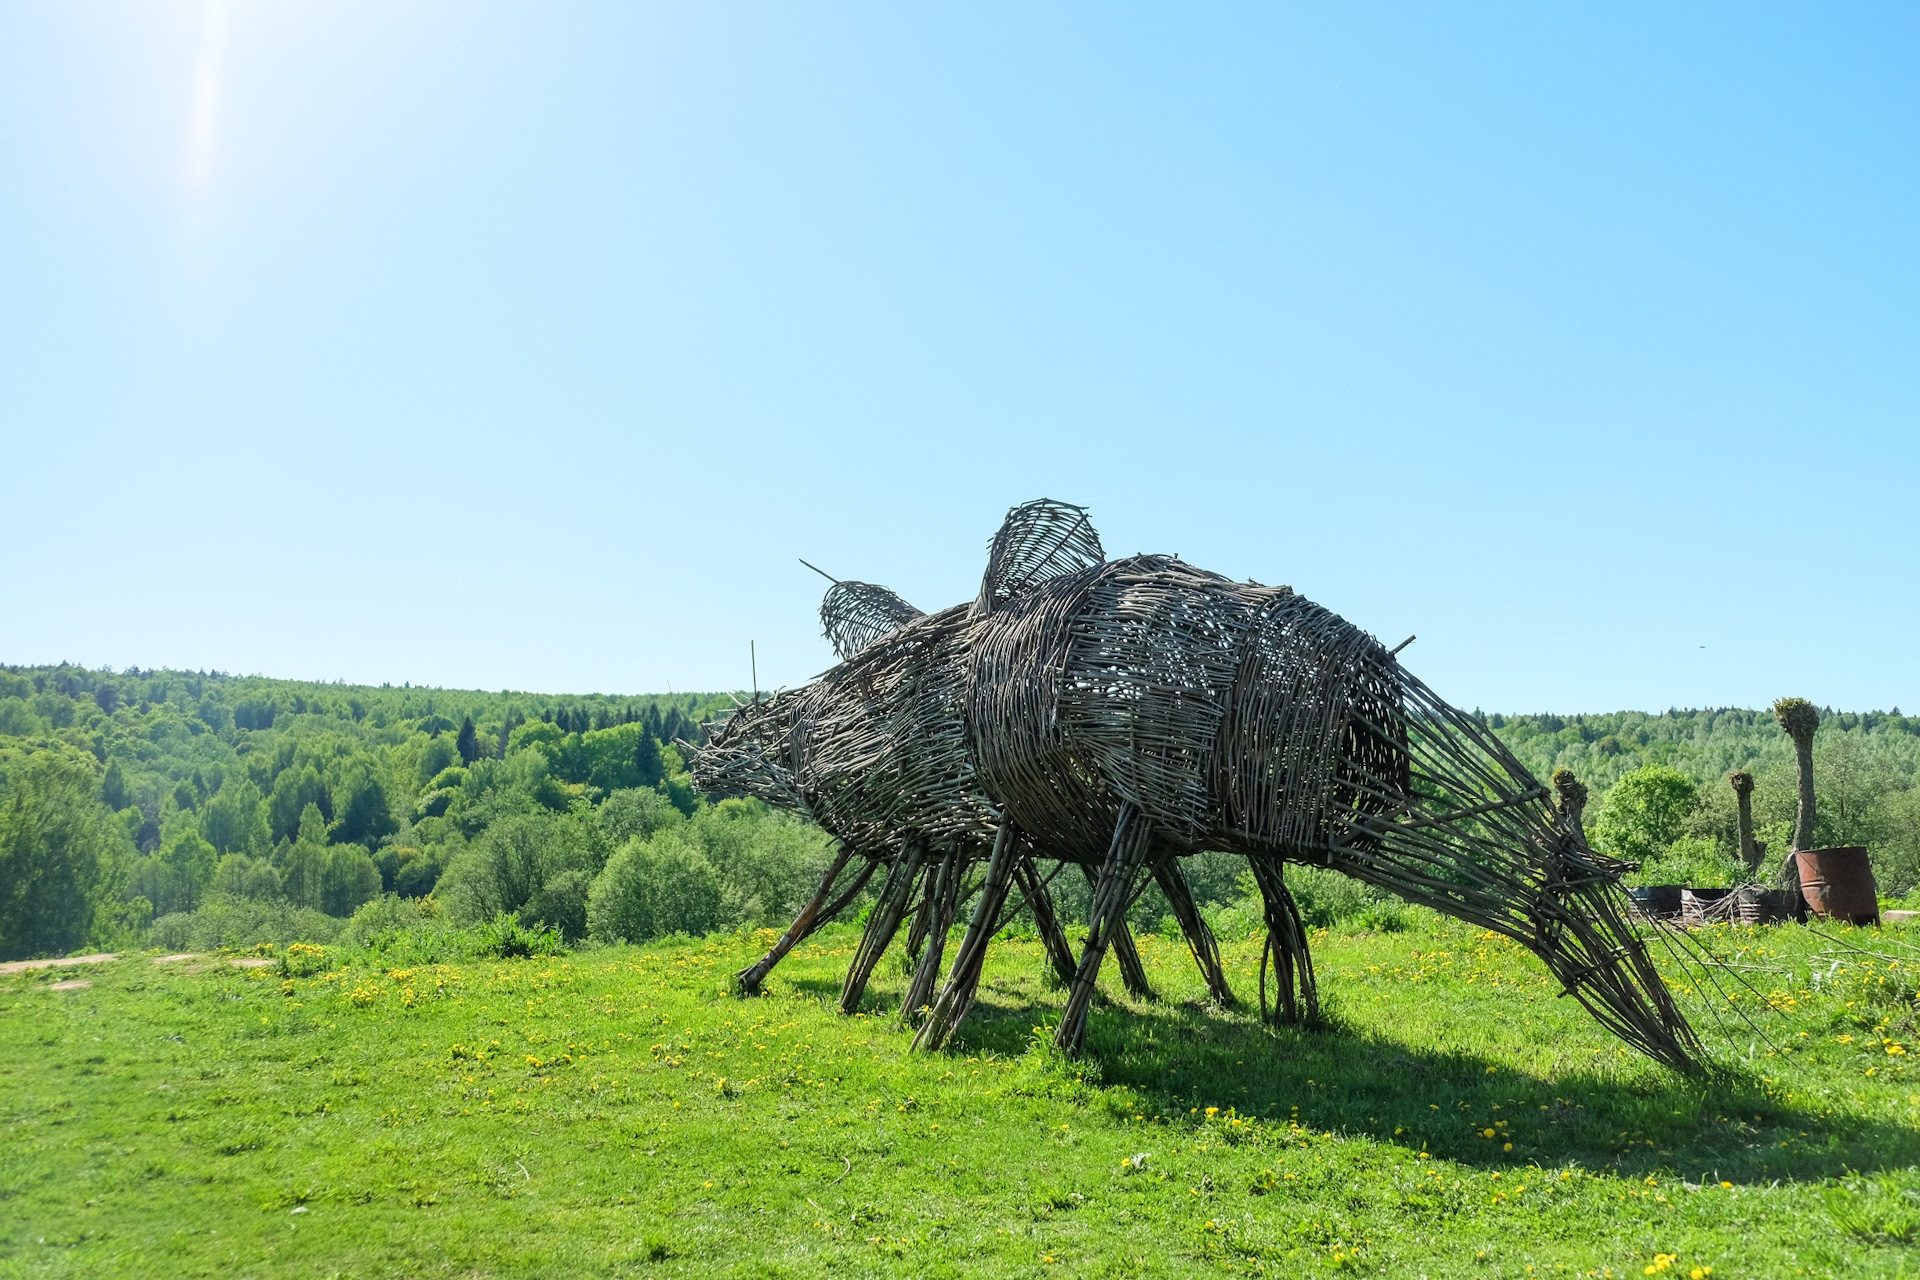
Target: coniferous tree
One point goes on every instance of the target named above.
(646, 759)
(468, 743)
(113, 787)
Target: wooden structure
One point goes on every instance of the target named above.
(1120, 715)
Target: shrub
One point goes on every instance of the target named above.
(225, 921)
(1388, 915)
(561, 904)
(502, 870)
(507, 939)
(768, 862)
(1645, 812)
(303, 960)
(1691, 860)
(655, 887)
(390, 913)
(1326, 898)
(61, 860)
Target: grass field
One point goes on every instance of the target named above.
(617, 1112)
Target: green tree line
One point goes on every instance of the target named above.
(1661, 794)
(132, 800)
(192, 809)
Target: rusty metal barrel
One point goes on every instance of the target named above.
(1838, 884)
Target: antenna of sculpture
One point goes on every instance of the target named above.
(1121, 715)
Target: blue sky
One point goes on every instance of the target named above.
(528, 345)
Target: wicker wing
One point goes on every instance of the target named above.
(1038, 540)
(855, 614)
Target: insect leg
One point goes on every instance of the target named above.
(1113, 889)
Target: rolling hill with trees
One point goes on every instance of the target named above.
(195, 809)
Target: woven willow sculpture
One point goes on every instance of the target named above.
(1119, 715)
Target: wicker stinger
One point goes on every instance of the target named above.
(1122, 714)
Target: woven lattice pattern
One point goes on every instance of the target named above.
(855, 614)
(1122, 714)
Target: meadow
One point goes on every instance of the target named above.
(618, 1111)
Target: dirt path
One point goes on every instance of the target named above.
(21, 966)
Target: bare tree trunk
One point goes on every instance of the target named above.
(1750, 853)
(1800, 718)
(1804, 814)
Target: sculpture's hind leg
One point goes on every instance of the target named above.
(816, 913)
(937, 910)
(882, 923)
(1111, 894)
(963, 980)
(1132, 972)
(1200, 940)
(1286, 946)
(1046, 920)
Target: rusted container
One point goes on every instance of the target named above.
(1754, 905)
(1656, 901)
(1838, 884)
(1704, 906)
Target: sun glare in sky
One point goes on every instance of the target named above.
(530, 344)
(203, 133)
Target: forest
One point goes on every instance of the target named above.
(194, 810)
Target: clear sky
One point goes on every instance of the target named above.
(528, 345)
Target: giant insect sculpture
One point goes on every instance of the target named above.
(1116, 716)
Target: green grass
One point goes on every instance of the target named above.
(617, 1112)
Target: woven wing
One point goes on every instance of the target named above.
(1037, 541)
(855, 614)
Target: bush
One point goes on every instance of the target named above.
(502, 870)
(561, 904)
(1389, 915)
(390, 913)
(61, 858)
(1698, 861)
(1645, 812)
(1327, 898)
(769, 862)
(303, 960)
(655, 887)
(507, 939)
(226, 921)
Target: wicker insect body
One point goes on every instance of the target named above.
(1122, 714)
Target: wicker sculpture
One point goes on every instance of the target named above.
(1120, 715)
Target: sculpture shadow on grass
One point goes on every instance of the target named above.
(1174, 1060)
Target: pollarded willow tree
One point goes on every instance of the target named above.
(1800, 718)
